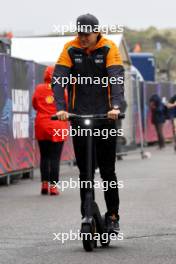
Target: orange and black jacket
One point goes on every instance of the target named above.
(90, 98)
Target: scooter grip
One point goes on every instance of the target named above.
(121, 116)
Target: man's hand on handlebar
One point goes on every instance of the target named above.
(62, 115)
(113, 114)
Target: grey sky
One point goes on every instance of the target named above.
(38, 16)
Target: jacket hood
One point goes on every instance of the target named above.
(48, 74)
(156, 99)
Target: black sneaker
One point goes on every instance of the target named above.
(112, 223)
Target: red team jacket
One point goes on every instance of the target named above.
(43, 103)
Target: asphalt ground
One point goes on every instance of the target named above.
(147, 210)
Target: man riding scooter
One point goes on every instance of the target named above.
(93, 56)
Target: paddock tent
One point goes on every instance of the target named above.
(46, 50)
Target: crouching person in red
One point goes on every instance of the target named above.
(48, 133)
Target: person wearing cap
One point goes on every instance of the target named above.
(92, 55)
(50, 143)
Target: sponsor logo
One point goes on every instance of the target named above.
(49, 99)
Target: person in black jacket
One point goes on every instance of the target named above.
(158, 117)
(92, 55)
(171, 105)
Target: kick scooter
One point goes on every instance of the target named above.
(93, 222)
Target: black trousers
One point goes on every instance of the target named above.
(159, 131)
(105, 151)
(50, 153)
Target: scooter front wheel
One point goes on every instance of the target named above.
(87, 232)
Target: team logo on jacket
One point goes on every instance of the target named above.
(78, 60)
(99, 60)
(49, 99)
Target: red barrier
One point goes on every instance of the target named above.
(18, 149)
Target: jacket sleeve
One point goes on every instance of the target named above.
(61, 77)
(34, 99)
(115, 70)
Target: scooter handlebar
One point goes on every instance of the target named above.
(72, 116)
